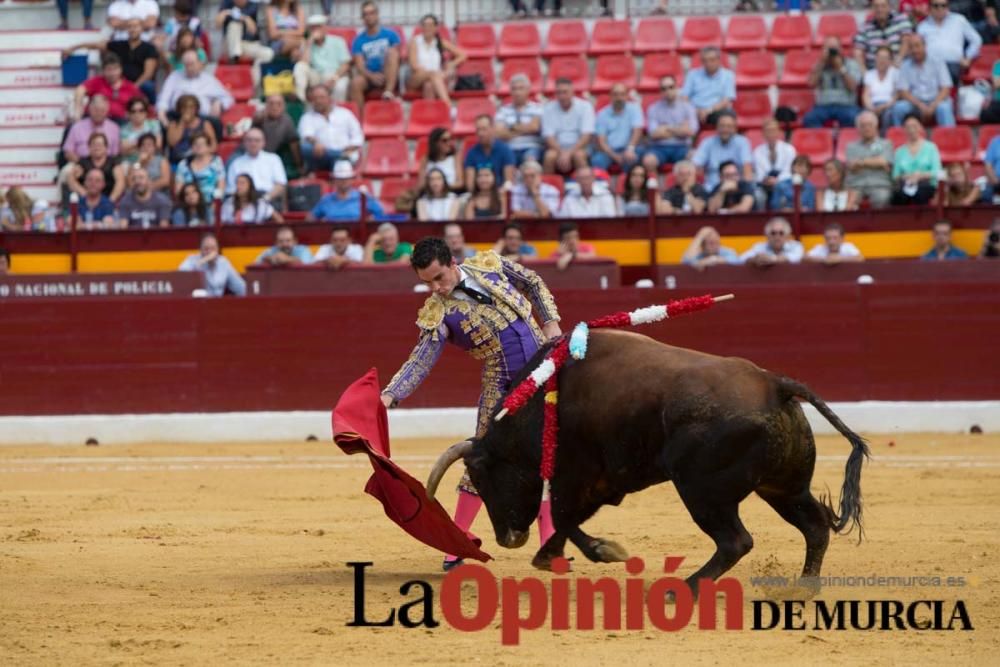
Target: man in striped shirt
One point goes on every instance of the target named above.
(884, 28)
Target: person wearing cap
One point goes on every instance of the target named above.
(329, 133)
(325, 60)
(344, 203)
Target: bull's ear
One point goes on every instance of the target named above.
(452, 454)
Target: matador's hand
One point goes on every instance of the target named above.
(551, 330)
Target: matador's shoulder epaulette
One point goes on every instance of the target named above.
(485, 260)
(430, 316)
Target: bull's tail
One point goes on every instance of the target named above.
(849, 517)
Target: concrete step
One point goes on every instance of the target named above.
(39, 135)
(21, 115)
(25, 58)
(22, 78)
(12, 155)
(12, 40)
(41, 96)
(40, 174)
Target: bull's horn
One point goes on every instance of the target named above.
(452, 454)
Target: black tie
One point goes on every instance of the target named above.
(477, 296)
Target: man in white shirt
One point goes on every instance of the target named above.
(950, 38)
(779, 248)
(339, 252)
(192, 79)
(834, 248)
(588, 201)
(265, 169)
(328, 133)
(772, 160)
(120, 12)
(533, 197)
(568, 125)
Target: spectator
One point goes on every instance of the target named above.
(138, 60)
(706, 250)
(20, 213)
(340, 251)
(519, 122)
(241, 32)
(77, 143)
(191, 209)
(520, 8)
(344, 203)
(184, 18)
(488, 153)
(949, 38)
(570, 247)
(880, 83)
(532, 197)
(384, 247)
(441, 155)
(329, 133)
(711, 88)
(916, 10)
(869, 164)
(376, 58)
(915, 167)
(835, 196)
(512, 246)
(671, 123)
(325, 60)
(246, 207)
(484, 198)
(212, 96)
(111, 85)
(567, 128)
(587, 200)
(88, 10)
(185, 126)
(152, 161)
(437, 203)
(834, 249)
(95, 209)
(265, 168)
(139, 124)
(286, 251)
(732, 194)
(783, 196)
(778, 248)
(5, 258)
(186, 41)
(635, 198)
(98, 158)
(687, 195)
(120, 12)
(884, 28)
(835, 78)
(202, 168)
(220, 276)
(943, 249)
(924, 88)
(991, 242)
(455, 241)
(286, 27)
(431, 68)
(991, 163)
(982, 14)
(991, 113)
(724, 146)
(143, 207)
(618, 130)
(280, 135)
(961, 190)
(772, 160)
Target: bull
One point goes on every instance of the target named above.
(636, 413)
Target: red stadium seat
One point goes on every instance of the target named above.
(233, 115)
(443, 32)
(612, 69)
(982, 66)
(986, 134)
(756, 69)
(752, 108)
(519, 40)
(566, 38)
(843, 26)
(425, 115)
(755, 137)
(352, 107)
(478, 40)
(574, 68)
(392, 188)
(696, 60)
(527, 66)
(226, 150)
(955, 144)
(610, 37)
(655, 66)
(800, 101)
(845, 136)
(347, 34)
(386, 157)
(237, 79)
(897, 135)
(556, 181)
(798, 64)
(484, 68)
(790, 31)
(746, 33)
(699, 32)
(467, 112)
(402, 40)
(383, 118)
(817, 143)
(655, 35)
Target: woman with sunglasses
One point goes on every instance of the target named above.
(138, 124)
(441, 155)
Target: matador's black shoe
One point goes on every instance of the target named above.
(449, 565)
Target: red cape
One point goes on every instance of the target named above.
(360, 425)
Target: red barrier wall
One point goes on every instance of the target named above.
(849, 342)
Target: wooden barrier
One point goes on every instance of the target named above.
(68, 285)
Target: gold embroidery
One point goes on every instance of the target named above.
(486, 260)
(431, 315)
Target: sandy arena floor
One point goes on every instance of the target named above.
(235, 553)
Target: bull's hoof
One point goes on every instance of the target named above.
(610, 552)
(542, 562)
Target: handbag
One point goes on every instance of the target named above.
(971, 100)
(304, 196)
(281, 83)
(469, 82)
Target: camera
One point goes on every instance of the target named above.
(832, 53)
(994, 238)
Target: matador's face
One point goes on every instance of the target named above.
(440, 279)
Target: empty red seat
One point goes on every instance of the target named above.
(699, 32)
(519, 40)
(237, 79)
(897, 135)
(654, 36)
(611, 37)
(425, 115)
(955, 144)
(790, 31)
(484, 68)
(392, 188)
(566, 38)
(478, 40)
(383, 118)
(467, 111)
(385, 157)
(233, 115)
(574, 68)
(843, 26)
(746, 33)
(612, 69)
(817, 143)
(526, 66)
(845, 136)
(798, 100)
(752, 108)
(986, 134)
(655, 66)
(756, 69)
(798, 64)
